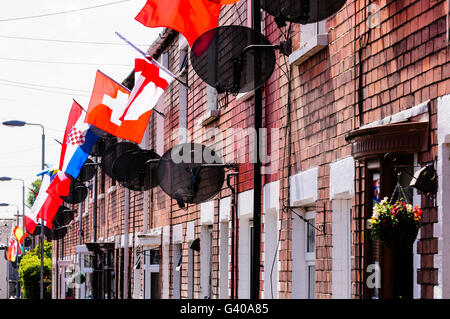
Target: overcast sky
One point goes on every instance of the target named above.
(39, 79)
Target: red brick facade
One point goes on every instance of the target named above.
(377, 63)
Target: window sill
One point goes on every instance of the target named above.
(209, 117)
(310, 48)
(241, 97)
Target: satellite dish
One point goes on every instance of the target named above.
(190, 173)
(58, 233)
(63, 216)
(301, 11)
(102, 144)
(47, 232)
(27, 242)
(136, 170)
(99, 132)
(113, 152)
(87, 171)
(224, 57)
(77, 193)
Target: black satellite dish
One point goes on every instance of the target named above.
(63, 216)
(59, 232)
(113, 152)
(77, 193)
(87, 171)
(224, 57)
(99, 132)
(102, 144)
(301, 11)
(190, 173)
(28, 241)
(136, 170)
(47, 232)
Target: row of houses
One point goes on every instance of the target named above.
(359, 104)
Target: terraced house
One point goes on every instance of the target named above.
(356, 108)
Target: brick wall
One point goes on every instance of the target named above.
(402, 63)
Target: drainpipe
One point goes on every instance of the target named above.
(95, 274)
(256, 258)
(125, 244)
(234, 242)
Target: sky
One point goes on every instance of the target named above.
(45, 64)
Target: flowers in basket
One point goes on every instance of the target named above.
(395, 224)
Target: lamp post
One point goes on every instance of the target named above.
(7, 179)
(16, 123)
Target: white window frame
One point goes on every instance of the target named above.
(148, 269)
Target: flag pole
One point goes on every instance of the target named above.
(153, 61)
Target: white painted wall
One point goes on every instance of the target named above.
(270, 240)
(206, 220)
(224, 246)
(245, 212)
(341, 251)
(342, 177)
(165, 262)
(303, 193)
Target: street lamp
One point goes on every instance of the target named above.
(17, 123)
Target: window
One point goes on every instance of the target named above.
(159, 120)
(310, 236)
(206, 262)
(183, 97)
(152, 258)
(303, 254)
(310, 256)
(210, 246)
(190, 274)
(176, 271)
(223, 260)
(311, 282)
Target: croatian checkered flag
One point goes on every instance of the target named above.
(77, 143)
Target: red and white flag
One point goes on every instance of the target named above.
(47, 203)
(113, 109)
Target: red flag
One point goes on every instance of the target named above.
(189, 17)
(49, 209)
(60, 185)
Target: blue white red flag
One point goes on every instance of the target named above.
(77, 144)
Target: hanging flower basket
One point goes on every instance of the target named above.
(396, 225)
